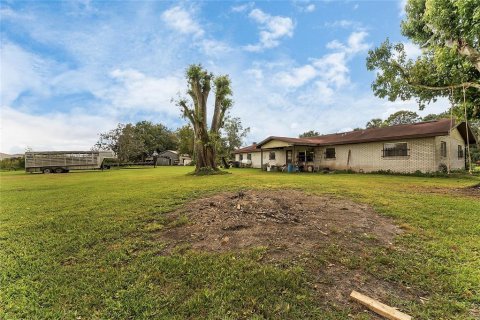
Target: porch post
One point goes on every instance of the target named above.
(261, 159)
(294, 157)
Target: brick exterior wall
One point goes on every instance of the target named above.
(368, 157)
(424, 155)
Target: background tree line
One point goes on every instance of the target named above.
(15, 163)
(137, 142)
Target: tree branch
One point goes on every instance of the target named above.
(405, 75)
(216, 114)
(453, 86)
(464, 49)
(187, 112)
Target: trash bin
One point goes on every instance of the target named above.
(290, 167)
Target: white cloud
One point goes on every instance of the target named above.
(356, 42)
(51, 131)
(346, 24)
(272, 30)
(321, 93)
(212, 47)
(8, 13)
(181, 20)
(296, 77)
(340, 24)
(354, 45)
(412, 50)
(401, 5)
(20, 71)
(242, 7)
(304, 6)
(310, 8)
(331, 69)
(138, 92)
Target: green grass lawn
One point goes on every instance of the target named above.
(83, 246)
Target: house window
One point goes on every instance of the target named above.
(330, 153)
(310, 155)
(249, 156)
(443, 149)
(241, 157)
(271, 156)
(301, 156)
(460, 152)
(395, 149)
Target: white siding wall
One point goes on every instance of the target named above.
(451, 160)
(256, 159)
(280, 157)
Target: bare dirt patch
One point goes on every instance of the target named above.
(289, 223)
(294, 227)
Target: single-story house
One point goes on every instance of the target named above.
(173, 158)
(248, 156)
(425, 146)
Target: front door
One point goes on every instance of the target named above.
(289, 156)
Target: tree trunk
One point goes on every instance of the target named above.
(205, 153)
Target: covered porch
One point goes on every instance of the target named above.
(278, 153)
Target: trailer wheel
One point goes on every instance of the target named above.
(58, 170)
(47, 170)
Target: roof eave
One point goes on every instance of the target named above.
(413, 136)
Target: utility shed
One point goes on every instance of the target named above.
(168, 158)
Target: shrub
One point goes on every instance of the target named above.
(12, 163)
(443, 168)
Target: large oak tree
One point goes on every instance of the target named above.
(207, 138)
(448, 33)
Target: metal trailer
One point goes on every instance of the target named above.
(64, 161)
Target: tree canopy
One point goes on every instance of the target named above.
(310, 133)
(404, 117)
(232, 136)
(135, 142)
(433, 116)
(448, 33)
(186, 142)
(375, 123)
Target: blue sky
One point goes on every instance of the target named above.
(73, 69)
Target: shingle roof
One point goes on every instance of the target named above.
(406, 131)
(251, 148)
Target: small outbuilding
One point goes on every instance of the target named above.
(173, 158)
